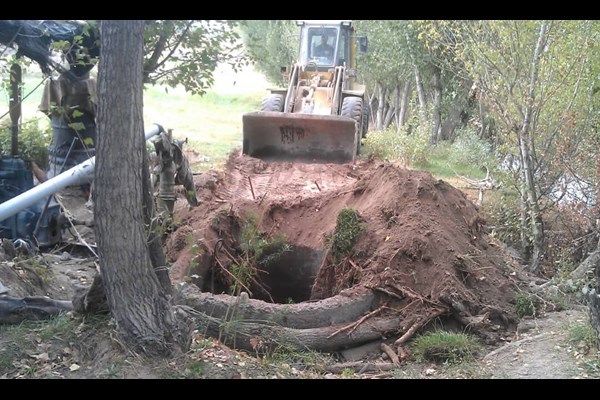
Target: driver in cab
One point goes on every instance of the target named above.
(324, 51)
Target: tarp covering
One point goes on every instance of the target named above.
(33, 38)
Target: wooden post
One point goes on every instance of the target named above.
(15, 106)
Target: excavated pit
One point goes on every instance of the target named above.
(288, 279)
(422, 255)
(291, 277)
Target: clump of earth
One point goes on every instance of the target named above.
(419, 245)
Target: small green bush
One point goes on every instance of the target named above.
(347, 230)
(469, 149)
(442, 346)
(33, 141)
(391, 144)
(525, 305)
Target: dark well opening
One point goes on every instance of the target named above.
(288, 277)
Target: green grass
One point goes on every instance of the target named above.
(584, 334)
(212, 123)
(525, 305)
(18, 341)
(439, 165)
(446, 347)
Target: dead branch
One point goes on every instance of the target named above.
(403, 353)
(390, 353)
(417, 325)
(251, 188)
(355, 325)
(233, 276)
(414, 295)
(382, 290)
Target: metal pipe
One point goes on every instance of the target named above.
(78, 175)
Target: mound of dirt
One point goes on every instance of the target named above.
(421, 250)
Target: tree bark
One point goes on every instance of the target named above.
(389, 115)
(380, 106)
(343, 308)
(421, 95)
(437, 105)
(15, 310)
(259, 337)
(404, 103)
(139, 306)
(155, 240)
(527, 148)
(453, 120)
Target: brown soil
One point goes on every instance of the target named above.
(422, 237)
(423, 251)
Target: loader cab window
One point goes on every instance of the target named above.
(322, 45)
(343, 55)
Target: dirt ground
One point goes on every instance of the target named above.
(422, 246)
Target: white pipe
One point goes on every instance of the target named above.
(78, 175)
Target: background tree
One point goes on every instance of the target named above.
(186, 52)
(271, 44)
(138, 304)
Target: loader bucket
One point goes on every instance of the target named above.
(303, 137)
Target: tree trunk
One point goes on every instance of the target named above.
(139, 306)
(380, 107)
(527, 149)
(418, 80)
(404, 103)
(453, 120)
(342, 308)
(155, 241)
(421, 95)
(437, 105)
(389, 115)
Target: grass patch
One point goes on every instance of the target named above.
(444, 347)
(583, 335)
(301, 360)
(525, 305)
(18, 342)
(347, 230)
(212, 123)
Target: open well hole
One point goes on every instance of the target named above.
(291, 276)
(288, 278)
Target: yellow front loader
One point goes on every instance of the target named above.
(322, 114)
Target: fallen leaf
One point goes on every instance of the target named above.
(74, 367)
(41, 357)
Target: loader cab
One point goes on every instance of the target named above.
(324, 46)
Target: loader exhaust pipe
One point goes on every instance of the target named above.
(78, 175)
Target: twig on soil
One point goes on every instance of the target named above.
(263, 197)
(342, 175)
(414, 295)
(318, 187)
(380, 289)
(233, 276)
(355, 325)
(360, 366)
(76, 231)
(403, 354)
(417, 325)
(251, 188)
(390, 353)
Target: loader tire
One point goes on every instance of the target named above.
(273, 102)
(366, 119)
(352, 107)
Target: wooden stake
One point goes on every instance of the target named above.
(391, 354)
(251, 188)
